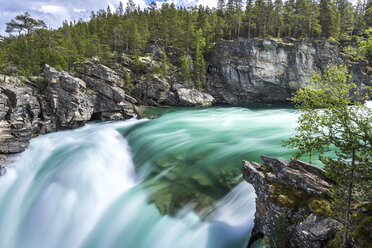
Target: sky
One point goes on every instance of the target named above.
(54, 12)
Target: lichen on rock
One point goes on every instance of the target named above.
(299, 192)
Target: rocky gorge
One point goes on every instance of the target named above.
(238, 72)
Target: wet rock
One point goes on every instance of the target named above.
(293, 190)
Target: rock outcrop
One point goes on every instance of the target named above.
(107, 94)
(30, 107)
(193, 97)
(157, 90)
(245, 71)
(21, 116)
(291, 199)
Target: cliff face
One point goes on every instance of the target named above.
(245, 71)
(292, 203)
(30, 107)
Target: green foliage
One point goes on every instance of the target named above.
(320, 206)
(193, 30)
(199, 60)
(330, 120)
(350, 52)
(265, 242)
(289, 197)
(365, 46)
(138, 67)
(164, 64)
(128, 82)
(185, 62)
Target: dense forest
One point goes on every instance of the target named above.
(130, 29)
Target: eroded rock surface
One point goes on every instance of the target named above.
(297, 191)
(29, 108)
(245, 71)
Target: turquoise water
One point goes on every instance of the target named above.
(174, 181)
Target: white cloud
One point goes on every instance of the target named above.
(79, 10)
(54, 10)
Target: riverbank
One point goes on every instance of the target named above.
(239, 72)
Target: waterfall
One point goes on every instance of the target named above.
(170, 182)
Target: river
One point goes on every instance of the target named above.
(173, 181)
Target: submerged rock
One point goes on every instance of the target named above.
(292, 199)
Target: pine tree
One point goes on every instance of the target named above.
(199, 58)
(24, 23)
(346, 18)
(185, 61)
(249, 17)
(325, 18)
(278, 18)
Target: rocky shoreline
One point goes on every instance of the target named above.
(32, 107)
(238, 72)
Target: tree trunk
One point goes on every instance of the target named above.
(349, 196)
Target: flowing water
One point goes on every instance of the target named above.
(174, 181)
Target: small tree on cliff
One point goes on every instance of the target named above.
(330, 121)
(199, 63)
(24, 23)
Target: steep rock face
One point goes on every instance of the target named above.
(245, 71)
(105, 87)
(21, 116)
(66, 96)
(293, 191)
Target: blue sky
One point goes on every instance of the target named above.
(54, 12)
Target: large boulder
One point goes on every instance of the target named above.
(193, 97)
(109, 99)
(22, 103)
(66, 95)
(294, 194)
(154, 89)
